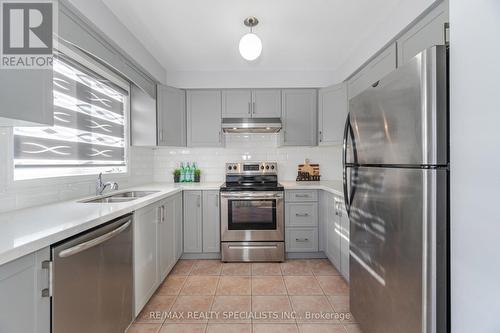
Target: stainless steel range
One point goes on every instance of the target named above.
(252, 213)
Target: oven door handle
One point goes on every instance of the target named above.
(251, 196)
(252, 246)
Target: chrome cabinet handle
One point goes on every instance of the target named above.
(302, 240)
(198, 202)
(320, 136)
(253, 108)
(93, 242)
(47, 265)
(302, 195)
(249, 107)
(301, 215)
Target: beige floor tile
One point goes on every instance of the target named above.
(340, 305)
(207, 267)
(172, 285)
(236, 268)
(268, 285)
(156, 309)
(333, 285)
(226, 306)
(235, 285)
(321, 328)
(272, 309)
(229, 328)
(302, 285)
(266, 268)
(313, 309)
(144, 328)
(183, 267)
(275, 328)
(352, 328)
(183, 328)
(296, 267)
(187, 309)
(322, 267)
(200, 285)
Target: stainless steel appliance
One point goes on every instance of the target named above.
(252, 213)
(396, 191)
(251, 125)
(92, 280)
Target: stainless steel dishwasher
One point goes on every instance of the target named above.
(92, 280)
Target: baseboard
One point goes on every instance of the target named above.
(201, 255)
(305, 255)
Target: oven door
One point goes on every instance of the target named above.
(252, 216)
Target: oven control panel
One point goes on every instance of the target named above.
(245, 168)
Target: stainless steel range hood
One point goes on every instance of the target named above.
(251, 125)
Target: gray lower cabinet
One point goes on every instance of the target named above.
(35, 107)
(204, 118)
(333, 231)
(166, 238)
(193, 212)
(23, 308)
(178, 226)
(377, 68)
(299, 117)
(211, 222)
(301, 221)
(332, 112)
(344, 240)
(427, 32)
(171, 116)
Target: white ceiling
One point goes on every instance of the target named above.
(297, 35)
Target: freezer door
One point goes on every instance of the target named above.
(402, 119)
(398, 224)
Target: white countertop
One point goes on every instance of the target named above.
(27, 230)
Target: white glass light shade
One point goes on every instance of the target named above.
(250, 46)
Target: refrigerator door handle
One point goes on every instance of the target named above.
(344, 160)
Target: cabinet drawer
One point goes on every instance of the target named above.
(301, 214)
(301, 240)
(301, 195)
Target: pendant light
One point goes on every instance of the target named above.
(250, 44)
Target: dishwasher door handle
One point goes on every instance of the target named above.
(93, 242)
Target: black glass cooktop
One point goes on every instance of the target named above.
(226, 187)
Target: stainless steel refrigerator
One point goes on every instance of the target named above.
(396, 191)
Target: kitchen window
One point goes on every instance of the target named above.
(90, 126)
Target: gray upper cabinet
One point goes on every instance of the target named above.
(35, 107)
(427, 32)
(171, 116)
(204, 118)
(299, 117)
(237, 103)
(332, 112)
(193, 239)
(142, 118)
(266, 103)
(211, 222)
(376, 69)
(251, 103)
(23, 308)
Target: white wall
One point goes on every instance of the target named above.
(254, 147)
(475, 165)
(99, 14)
(22, 194)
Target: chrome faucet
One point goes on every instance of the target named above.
(100, 186)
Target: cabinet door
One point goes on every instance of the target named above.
(332, 113)
(27, 98)
(333, 232)
(301, 239)
(142, 118)
(427, 32)
(165, 236)
(204, 118)
(23, 309)
(299, 117)
(145, 254)
(178, 225)
(323, 220)
(376, 69)
(266, 103)
(171, 117)
(237, 103)
(211, 222)
(344, 241)
(192, 222)
(301, 214)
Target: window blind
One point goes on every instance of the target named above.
(89, 124)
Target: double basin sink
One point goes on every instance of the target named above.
(120, 197)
